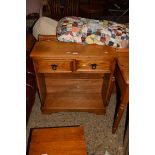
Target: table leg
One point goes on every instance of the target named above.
(126, 134)
(123, 103)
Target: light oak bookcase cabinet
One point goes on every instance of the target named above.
(70, 76)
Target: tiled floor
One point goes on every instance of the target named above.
(98, 128)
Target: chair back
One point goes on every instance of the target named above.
(55, 7)
(71, 7)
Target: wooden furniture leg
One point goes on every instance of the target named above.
(122, 106)
(126, 123)
(121, 75)
(126, 134)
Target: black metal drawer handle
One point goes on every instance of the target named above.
(54, 66)
(93, 66)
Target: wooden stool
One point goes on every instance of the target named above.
(57, 141)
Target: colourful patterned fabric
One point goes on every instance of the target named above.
(91, 31)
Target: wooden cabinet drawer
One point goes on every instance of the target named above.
(93, 65)
(50, 66)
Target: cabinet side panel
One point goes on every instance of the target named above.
(41, 85)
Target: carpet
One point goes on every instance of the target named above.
(97, 128)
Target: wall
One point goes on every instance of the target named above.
(33, 6)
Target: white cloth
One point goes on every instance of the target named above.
(44, 26)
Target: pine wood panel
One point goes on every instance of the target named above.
(74, 75)
(40, 78)
(74, 85)
(84, 102)
(63, 50)
(58, 141)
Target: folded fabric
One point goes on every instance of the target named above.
(44, 26)
(91, 31)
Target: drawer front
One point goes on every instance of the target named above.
(50, 66)
(93, 66)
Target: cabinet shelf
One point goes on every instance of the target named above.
(81, 102)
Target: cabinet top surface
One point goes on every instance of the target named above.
(64, 140)
(55, 49)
